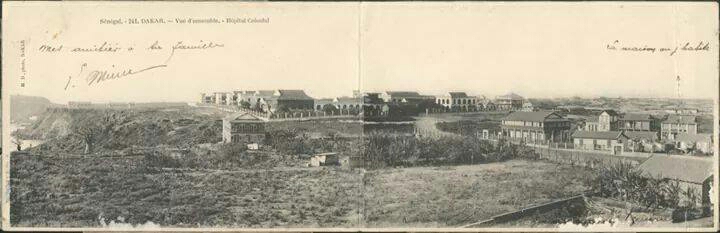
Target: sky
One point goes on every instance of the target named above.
(537, 50)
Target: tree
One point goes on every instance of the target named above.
(245, 104)
(329, 108)
(258, 107)
(18, 143)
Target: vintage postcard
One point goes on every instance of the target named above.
(360, 116)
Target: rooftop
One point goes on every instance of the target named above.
(637, 117)
(678, 167)
(292, 95)
(597, 134)
(458, 94)
(686, 137)
(403, 93)
(538, 116)
(511, 96)
(642, 135)
(611, 112)
(349, 99)
(242, 116)
(679, 119)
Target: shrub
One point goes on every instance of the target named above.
(381, 150)
(622, 180)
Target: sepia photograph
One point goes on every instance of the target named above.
(360, 116)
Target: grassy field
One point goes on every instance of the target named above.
(92, 191)
(83, 192)
(459, 195)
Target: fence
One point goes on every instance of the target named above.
(294, 114)
(305, 114)
(589, 159)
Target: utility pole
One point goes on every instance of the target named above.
(679, 93)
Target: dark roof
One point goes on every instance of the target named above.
(611, 112)
(346, 99)
(403, 93)
(529, 116)
(678, 119)
(637, 117)
(511, 96)
(323, 101)
(597, 134)
(686, 137)
(293, 95)
(458, 94)
(678, 167)
(642, 135)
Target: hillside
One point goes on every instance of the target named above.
(22, 107)
(121, 129)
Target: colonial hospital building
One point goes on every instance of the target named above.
(536, 127)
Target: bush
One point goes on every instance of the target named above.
(380, 150)
(623, 181)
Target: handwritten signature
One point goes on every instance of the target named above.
(96, 77)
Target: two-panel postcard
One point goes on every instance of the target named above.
(360, 116)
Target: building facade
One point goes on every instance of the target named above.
(613, 141)
(608, 121)
(288, 100)
(511, 101)
(536, 127)
(321, 103)
(676, 124)
(638, 122)
(348, 103)
(243, 128)
(405, 97)
(456, 101)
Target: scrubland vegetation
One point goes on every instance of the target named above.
(166, 167)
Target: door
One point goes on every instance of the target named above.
(618, 150)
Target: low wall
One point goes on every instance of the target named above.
(525, 212)
(584, 158)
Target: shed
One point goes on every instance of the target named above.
(691, 172)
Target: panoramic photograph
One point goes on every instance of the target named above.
(365, 116)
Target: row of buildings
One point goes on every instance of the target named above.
(608, 131)
(261, 100)
(276, 100)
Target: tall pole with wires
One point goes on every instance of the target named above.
(679, 93)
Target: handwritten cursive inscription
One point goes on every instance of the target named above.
(672, 50)
(97, 76)
(202, 45)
